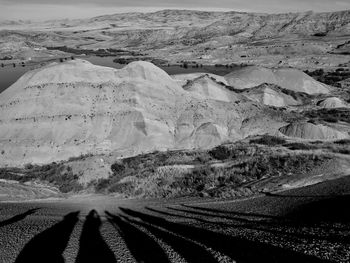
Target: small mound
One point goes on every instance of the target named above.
(249, 77)
(331, 103)
(145, 70)
(311, 131)
(269, 94)
(206, 87)
(70, 71)
(291, 79)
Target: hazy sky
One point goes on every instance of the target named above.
(54, 9)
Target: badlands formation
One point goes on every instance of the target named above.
(73, 108)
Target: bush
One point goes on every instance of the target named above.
(330, 119)
(343, 142)
(329, 115)
(28, 166)
(220, 153)
(58, 175)
(80, 157)
(117, 168)
(299, 146)
(269, 140)
(344, 151)
(122, 188)
(101, 184)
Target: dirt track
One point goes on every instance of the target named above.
(302, 225)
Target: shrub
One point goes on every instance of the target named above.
(269, 140)
(80, 157)
(220, 153)
(122, 188)
(300, 146)
(343, 142)
(344, 151)
(28, 166)
(330, 119)
(117, 167)
(58, 175)
(101, 184)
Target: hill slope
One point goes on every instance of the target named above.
(68, 109)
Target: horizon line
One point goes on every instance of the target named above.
(160, 9)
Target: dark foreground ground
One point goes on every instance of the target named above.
(311, 224)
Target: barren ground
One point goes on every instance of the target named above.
(309, 224)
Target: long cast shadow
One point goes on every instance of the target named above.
(190, 251)
(92, 247)
(48, 246)
(261, 226)
(142, 247)
(287, 220)
(300, 196)
(334, 209)
(234, 213)
(181, 216)
(19, 217)
(239, 249)
(211, 215)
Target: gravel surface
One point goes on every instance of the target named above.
(309, 224)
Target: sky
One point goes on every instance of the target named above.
(59, 9)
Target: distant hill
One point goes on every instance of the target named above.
(204, 36)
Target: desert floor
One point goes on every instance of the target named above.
(310, 224)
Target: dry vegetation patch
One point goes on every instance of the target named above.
(228, 170)
(58, 175)
(225, 171)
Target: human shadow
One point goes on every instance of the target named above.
(239, 219)
(48, 246)
(19, 217)
(239, 249)
(305, 215)
(234, 213)
(142, 246)
(285, 220)
(284, 195)
(331, 210)
(189, 250)
(92, 247)
(181, 216)
(277, 228)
